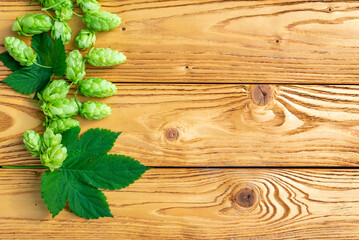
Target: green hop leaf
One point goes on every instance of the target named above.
(63, 108)
(56, 90)
(61, 30)
(85, 39)
(62, 125)
(53, 157)
(97, 87)
(50, 139)
(99, 20)
(95, 110)
(75, 66)
(105, 57)
(32, 23)
(9, 61)
(32, 142)
(87, 5)
(87, 168)
(20, 51)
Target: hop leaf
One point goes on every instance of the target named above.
(105, 57)
(99, 20)
(20, 51)
(95, 110)
(32, 23)
(79, 178)
(61, 30)
(85, 39)
(75, 66)
(32, 142)
(97, 87)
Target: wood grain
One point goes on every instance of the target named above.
(224, 41)
(216, 125)
(196, 204)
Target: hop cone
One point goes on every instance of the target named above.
(85, 39)
(32, 23)
(87, 5)
(64, 108)
(97, 87)
(63, 8)
(105, 57)
(20, 51)
(61, 30)
(99, 20)
(53, 157)
(95, 110)
(50, 139)
(75, 69)
(32, 142)
(61, 125)
(57, 90)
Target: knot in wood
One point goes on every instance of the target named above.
(261, 94)
(246, 197)
(172, 134)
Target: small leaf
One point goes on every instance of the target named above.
(9, 61)
(59, 58)
(27, 81)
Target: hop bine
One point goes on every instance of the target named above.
(61, 125)
(85, 39)
(105, 57)
(20, 51)
(75, 70)
(63, 108)
(95, 110)
(99, 20)
(61, 30)
(57, 90)
(32, 23)
(97, 87)
(32, 142)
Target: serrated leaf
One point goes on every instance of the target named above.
(59, 58)
(86, 168)
(29, 80)
(43, 46)
(9, 61)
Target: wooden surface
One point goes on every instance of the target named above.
(196, 204)
(192, 104)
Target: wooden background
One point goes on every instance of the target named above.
(228, 162)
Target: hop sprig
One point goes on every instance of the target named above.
(61, 30)
(63, 108)
(56, 90)
(32, 23)
(20, 51)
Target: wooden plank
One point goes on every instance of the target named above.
(218, 125)
(196, 204)
(224, 41)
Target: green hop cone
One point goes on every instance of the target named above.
(50, 139)
(95, 110)
(105, 57)
(53, 157)
(75, 66)
(32, 142)
(61, 125)
(57, 90)
(63, 108)
(20, 51)
(87, 5)
(99, 20)
(63, 8)
(85, 39)
(32, 23)
(61, 30)
(97, 87)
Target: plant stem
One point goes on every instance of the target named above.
(41, 65)
(23, 167)
(77, 14)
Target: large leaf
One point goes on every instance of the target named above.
(9, 61)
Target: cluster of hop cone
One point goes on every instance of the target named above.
(57, 108)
